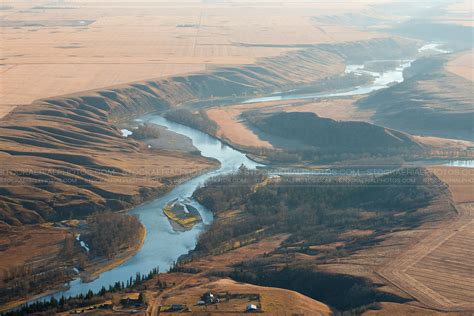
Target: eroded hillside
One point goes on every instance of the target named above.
(65, 158)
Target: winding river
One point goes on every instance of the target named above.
(163, 245)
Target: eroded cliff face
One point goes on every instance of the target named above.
(63, 157)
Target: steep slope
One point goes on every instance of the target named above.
(431, 101)
(63, 157)
(329, 135)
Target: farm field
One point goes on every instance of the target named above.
(337, 109)
(459, 12)
(462, 65)
(437, 271)
(55, 49)
(231, 128)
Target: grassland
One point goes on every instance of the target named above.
(232, 129)
(273, 301)
(462, 65)
(437, 271)
(459, 12)
(441, 100)
(357, 253)
(29, 245)
(61, 48)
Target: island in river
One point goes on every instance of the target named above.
(182, 215)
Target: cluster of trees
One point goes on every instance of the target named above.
(343, 292)
(22, 280)
(54, 305)
(328, 135)
(146, 131)
(317, 156)
(315, 209)
(197, 119)
(108, 233)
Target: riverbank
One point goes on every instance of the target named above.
(136, 174)
(92, 271)
(100, 266)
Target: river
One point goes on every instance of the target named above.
(163, 246)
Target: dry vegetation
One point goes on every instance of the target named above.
(29, 245)
(462, 65)
(437, 271)
(187, 288)
(51, 49)
(232, 129)
(459, 12)
(441, 101)
(274, 301)
(336, 109)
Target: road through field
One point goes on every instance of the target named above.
(439, 270)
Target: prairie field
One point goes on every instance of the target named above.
(50, 49)
(230, 127)
(343, 109)
(462, 65)
(437, 270)
(29, 245)
(459, 12)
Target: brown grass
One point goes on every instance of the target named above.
(5, 109)
(437, 271)
(463, 65)
(459, 12)
(443, 143)
(126, 42)
(336, 109)
(274, 301)
(187, 288)
(460, 181)
(395, 309)
(29, 244)
(231, 128)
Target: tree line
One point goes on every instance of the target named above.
(63, 304)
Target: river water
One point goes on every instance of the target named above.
(381, 80)
(163, 245)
